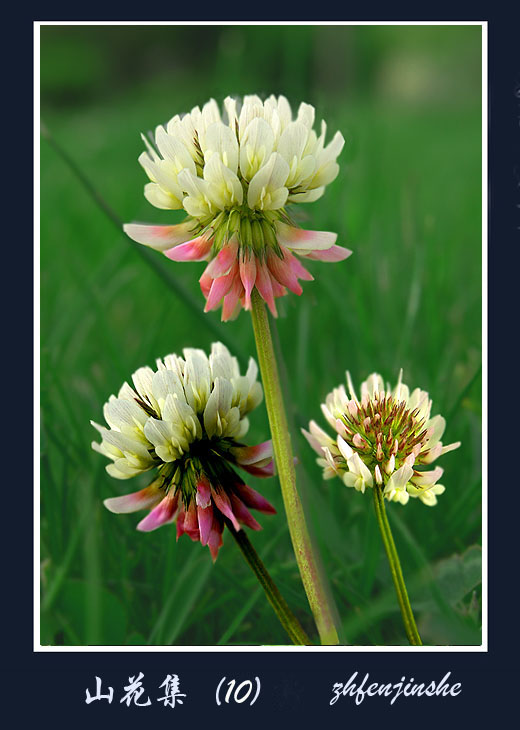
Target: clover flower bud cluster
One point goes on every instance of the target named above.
(187, 420)
(387, 438)
(234, 175)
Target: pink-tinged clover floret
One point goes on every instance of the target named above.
(386, 437)
(236, 175)
(186, 420)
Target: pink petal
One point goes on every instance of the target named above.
(253, 454)
(158, 237)
(195, 250)
(180, 522)
(160, 515)
(203, 497)
(259, 471)
(281, 270)
(243, 514)
(224, 260)
(332, 254)
(265, 287)
(278, 289)
(248, 276)
(191, 522)
(219, 289)
(224, 505)
(144, 499)
(429, 456)
(229, 316)
(315, 444)
(297, 239)
(232, 304)
(215, 537)
(205, 282)
(254, 499)
(205, 518)
(300, 270)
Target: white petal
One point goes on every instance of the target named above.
(372, 385)
(252, 370)
(160, 198)
(164, 173)
(292, 142)
(197, 378)
(266, 189)
(306, 114)
(221, 363)
(328, 415)
(321, 435)
(313, 442)
(401, 391)
(251, 107)
(427, 478)
(344, 448)
(217, 406)
(357, 466)
(450, 447)
(438, 424)
(350, 479)
(221, 140)
(302, 241)
(166, 382)
(224, 189)
(142, 379)
(124, 414)
(351, 389)
(174, 150)
(402, 496)
(308, 196)
(230, 105)
(161, 238)
(419, 400)
(256, 147)
(121, 469)
(428, 498)
(399, 479)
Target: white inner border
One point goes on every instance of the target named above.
(354, 649)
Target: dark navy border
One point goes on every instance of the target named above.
(50, 688)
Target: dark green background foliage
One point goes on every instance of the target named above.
(407, 202)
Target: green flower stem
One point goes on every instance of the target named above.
(284, 460)
(395, 568)
(275, 598)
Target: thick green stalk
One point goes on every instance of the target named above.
(395, 568)
(275, 598)
(283, 454)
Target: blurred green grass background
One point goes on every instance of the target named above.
(407, 202)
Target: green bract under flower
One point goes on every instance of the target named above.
(387, 437)
(187, 420)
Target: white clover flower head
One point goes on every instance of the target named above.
(187, 420)
(386, 437)
(235, 175)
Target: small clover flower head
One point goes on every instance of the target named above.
(186, 421)
(386, 437)
(235, 176)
